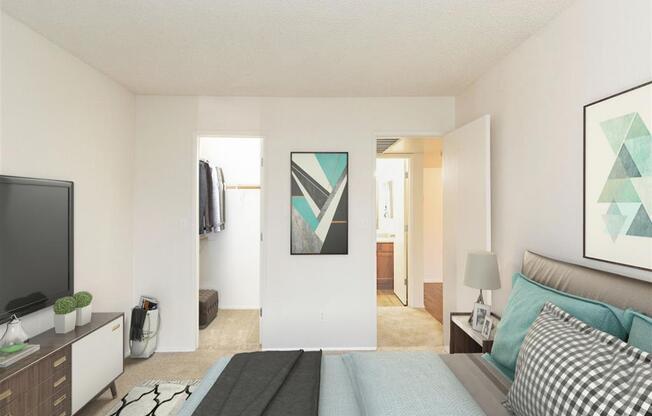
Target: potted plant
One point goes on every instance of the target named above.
(83, 301)
(64, 315)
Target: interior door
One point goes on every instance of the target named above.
(400, 237)
(466, 180)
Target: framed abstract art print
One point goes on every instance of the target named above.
(319, 203)
(618, 178)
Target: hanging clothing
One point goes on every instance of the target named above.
(218, 201)
(212, 194)
(204, 217)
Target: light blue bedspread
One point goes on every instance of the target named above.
(376, 384)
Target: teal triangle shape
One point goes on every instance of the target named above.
(615, 130)
(613, 209)
(617, 170)
(300, 204)
(640, 150)
(624, 166)
(642, 225)
(614, 221)
(637, 128)
(619, 190)
(333, 164)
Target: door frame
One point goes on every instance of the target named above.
(238, 134)
(407, 216)
(415, 290)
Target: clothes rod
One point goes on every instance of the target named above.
(242, 186)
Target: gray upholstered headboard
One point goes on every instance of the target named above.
(617, 290)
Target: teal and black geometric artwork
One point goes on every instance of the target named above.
(627, 191)
(320, 198)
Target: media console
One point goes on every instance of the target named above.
(67, 372)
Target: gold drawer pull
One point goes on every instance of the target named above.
(5, 394)
(59, 400)
(60, 361)
(116, 327)
(59, 382)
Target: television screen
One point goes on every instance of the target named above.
(36, 244)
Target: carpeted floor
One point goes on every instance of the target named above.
(403, 328)
(233, 331)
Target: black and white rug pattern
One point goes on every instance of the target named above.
(155, 398)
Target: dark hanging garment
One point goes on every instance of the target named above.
(211, 188)
(204, 216)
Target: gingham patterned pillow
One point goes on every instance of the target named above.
(566, 367)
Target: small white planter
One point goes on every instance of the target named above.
(64, 323)
(84, 315)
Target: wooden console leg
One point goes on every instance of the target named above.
(114, 390)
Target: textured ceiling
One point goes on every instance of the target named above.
(288, 47)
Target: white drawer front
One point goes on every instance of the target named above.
(97, 359)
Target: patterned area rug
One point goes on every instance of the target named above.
(155, 398)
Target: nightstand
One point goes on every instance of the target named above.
(465, 340)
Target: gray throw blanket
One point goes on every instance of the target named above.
(270, 383)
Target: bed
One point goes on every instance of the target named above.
(414, 383)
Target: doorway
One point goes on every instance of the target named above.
(408, 243)
(230, 243)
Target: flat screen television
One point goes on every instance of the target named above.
(36, 244)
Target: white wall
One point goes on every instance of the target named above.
(61, 119)
(229, 261)
(308, 301)
(166, 215)
(535, 96)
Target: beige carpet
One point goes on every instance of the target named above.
(403, 328)
(233, 331)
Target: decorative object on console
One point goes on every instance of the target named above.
(618, 178)
(480, 313)
(14, 339)
(481, 272)
(64, 314)
(319, 203)
(84, 307)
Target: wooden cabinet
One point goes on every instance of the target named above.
(42, 389)
(89, 378)
(43, 383)
(385, 266)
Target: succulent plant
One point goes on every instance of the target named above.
(65, 305)
(83, 299)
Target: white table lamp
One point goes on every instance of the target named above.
(481, 272)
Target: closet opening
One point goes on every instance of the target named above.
(230, 177)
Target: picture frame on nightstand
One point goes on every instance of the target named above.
(487, 326)
(480, 312)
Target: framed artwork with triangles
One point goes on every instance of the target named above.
(319, 222)
(618, 178)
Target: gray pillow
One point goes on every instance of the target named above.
(566, 367)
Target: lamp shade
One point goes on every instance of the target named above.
(481, 271)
